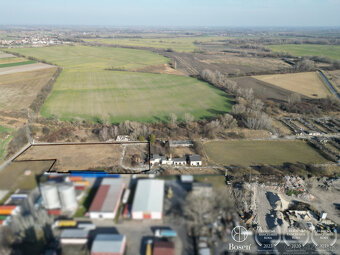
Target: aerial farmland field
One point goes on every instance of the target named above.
(181, 44)
(308, 83)
(328, 51)
(86, 90)
(18, 90)
(246, 152)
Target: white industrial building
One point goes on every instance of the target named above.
(148, 200)
(107, 199)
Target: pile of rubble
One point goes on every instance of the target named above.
(294, 182)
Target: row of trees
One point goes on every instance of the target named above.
(248, 109)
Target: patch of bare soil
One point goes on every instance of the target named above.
(164, 69)
(11, 121)
(249, 133)
(262, 89)
(76, 157)
(24, 68)
(18, 91)
(135, 155)
(230, 63)
(5, 55)
(181, 151)
(194, 171)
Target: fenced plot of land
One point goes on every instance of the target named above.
(308, 83)
(85, 90)
(18, 90)
(75, 157)
(328, 51)
(248, 153)
(12, 177)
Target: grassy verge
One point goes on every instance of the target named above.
(17, 63)
(248, 153)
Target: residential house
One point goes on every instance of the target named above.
(195, 160)
(180, 161)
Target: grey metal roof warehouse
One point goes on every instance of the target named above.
(108, 243)
(149, 196)
(74, 233)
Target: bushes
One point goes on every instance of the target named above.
(18, 141)
(44, 92)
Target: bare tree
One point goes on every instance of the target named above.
(188, 118)
(197, 211)
(256, 105)
(238, 109)
(305, 65)
(173, 119)
(258, 120)
(248, 94)
(103, 134)
(228, 121)
(211, 128)
(231, 86)
(203, 207)
(208, 75)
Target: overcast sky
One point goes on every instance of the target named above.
(171, 12)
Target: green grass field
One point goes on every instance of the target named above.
(181, 44)
(247, 153)
(115, 96)
(93, 58)
(18, 63)
(329, 51)
(85, 90)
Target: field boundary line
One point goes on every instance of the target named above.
(55, 160)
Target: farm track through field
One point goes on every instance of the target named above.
(24, 68)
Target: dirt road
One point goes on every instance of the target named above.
(24, 68)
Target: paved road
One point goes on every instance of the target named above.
(263, 207)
